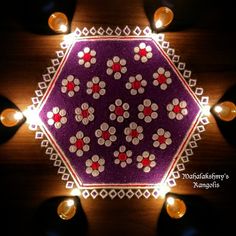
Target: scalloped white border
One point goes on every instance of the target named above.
(54, 157)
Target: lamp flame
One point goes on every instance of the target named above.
(170, 201)
(63, 28)
(18, 116)
(218, 109)
(70, 202)
(158, 24)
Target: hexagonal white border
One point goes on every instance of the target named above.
(181, 66)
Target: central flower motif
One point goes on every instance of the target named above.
(123, 156)
(57, 117)
(142, 52)
(95, 165)
(146, 161)
(84, 113)
(134, 133)
(161, 139)
(106, 135)
(80, 144)
(136, 84)
(70, 85)
(87, 57)
(116, 66)
(162, 78)
(119, 111)
(147, 111)
(96, 87)
(177, 110)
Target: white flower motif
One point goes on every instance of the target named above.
(119, 111)
(162, 78)
(142, 52)
(80, 144)
(70, 85)
(123, 156)
(106, 135)
(57, 117)
(177, 110)
(95, 165)
(96, 87)
(147, 111)
(136, 84)
(161, 139)
(87, 57)
(116, 66)
(134, 133)
(84, 113)
(146, 161)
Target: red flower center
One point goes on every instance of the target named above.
(119, 111)
(106, 135)
(122, 156)
(161, 79)
(161, 139)
(85, 113)
(145, 162)
(96, 88)
(116, 67)
(95, 165)
(136, 84)
(87, 57)
(147, 111)
(142, 52)
(134, 133)
(79, 143)
(176, 109)
(70, 86)
(57, 117)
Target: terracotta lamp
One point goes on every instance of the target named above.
(58, 22)
(163, 16)
(175, 207)
(67, 209)
(11, 117)
(226, 110)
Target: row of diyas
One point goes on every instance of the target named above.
(175, 207)
(163, 16)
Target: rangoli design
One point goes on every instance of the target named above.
(119, 112)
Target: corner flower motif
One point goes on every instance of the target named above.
(57, 117)
(161, 139)
(95, 165)
(142, 52)
(87, 57)
(106, 135)
(147, 111)
(136, 84)
(80, 144)
(70, 85)
(162, 78)
(96, 87)
(177, 110)
(117, 67)
(123, 156)
(84, 113)
(146, 161)
(134, 133)
(119, 111)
